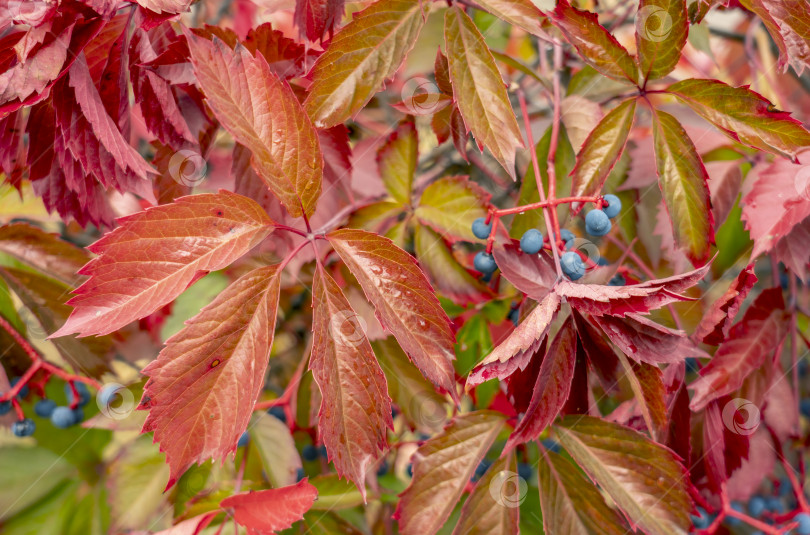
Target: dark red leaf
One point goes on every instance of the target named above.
(716, 323)
(533, 275)
(316, 18)
(646, 341)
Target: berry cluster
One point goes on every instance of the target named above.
(758, 507)
(60, 416)
(597, 223)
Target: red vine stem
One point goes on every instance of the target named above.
(552, 231)
(38, 363)
(550, 202)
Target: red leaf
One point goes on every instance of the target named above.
(551, 389)
(404, 299)
(264, 115)
(165, 6)
(316, 18)
(533, 275)
(792, 249)
(787, 24)
(154, 255)
(38, 71)
(646, 381)
(749, 344)
(646, 341)
(778, 201)
(204, 383)
(601, 356)
(714, 327)
(355, 408)
(594, 43)
(264, 512)
(723, 448)
(635, 298)
(192, 526)
(520, 385)
(514, 352)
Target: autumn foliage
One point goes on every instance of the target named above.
(404, 266)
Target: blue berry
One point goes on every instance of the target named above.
(481, 229)
(309, 452)
(572, 265)
(5, 407)
(483, 466)
(775, 505)
(804, 407)
(485, 263)
(24, 427)
(23, 391)
(532, 241)
(613, 207)
(617, 280)
(322, 452)
(514, 316)
(63, 417)
(84, 394)
(409, 470)
(524, 471)
(734, 521)
(756, 506)
(804, 523)
(702, 519)
(567, 237)
(785, 488)
(597, 223)
(44, 408)
(603, 261)
(78, 414)
(278, 412)
(382, 469)
(300, 474)
(243, 440)
(551, 445)
(692, 365)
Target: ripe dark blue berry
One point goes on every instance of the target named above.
(617, 280)
(702, 519)
(300, 474)
(44, 408)
(482, 468)
(243, 440)
(5, 407)
(732, 520)
(775, 505)
(551, 445)
(524, 471)
(485, 263)
(78, 415)
(278, 412)
(481, 229)
(309, 452)
(756, 506)
(804, 523)
(63, 417)
(24, 427)
(572, 265)
(602, 261)
(409, 470)
(514, 316)
(597, 223)
(382, 469)
(532, 241)
(84, 394)
(567, 237)
(613, 207)
(804, 407)
(23, 391)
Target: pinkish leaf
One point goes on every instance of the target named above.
(165, 6)
(355, 408)
(155, 254)
(204, 383)
(646, 341)
(533, 275)
(264, 512)
(316, 18)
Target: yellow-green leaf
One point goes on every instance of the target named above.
(450, 205)
(397, 162)
(661, 30)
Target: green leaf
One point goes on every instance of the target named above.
(594, 43)
(375, 215)
(448, 276)
(602, 149)
(450, 205)
(362, 55)
(743, 115)
(661, 30)
(570, 503)
(442, 466)
(683, 181)
(35, 470)
(263, 114)
(521, 13)
(563, 164)
(397, 162)
(479, 90)
(493, 506)
(334, 493)
(136, 481)
(644, 479)
(416, 398)
(328, 524)
(272, 439)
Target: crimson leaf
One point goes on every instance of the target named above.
(264, 512)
